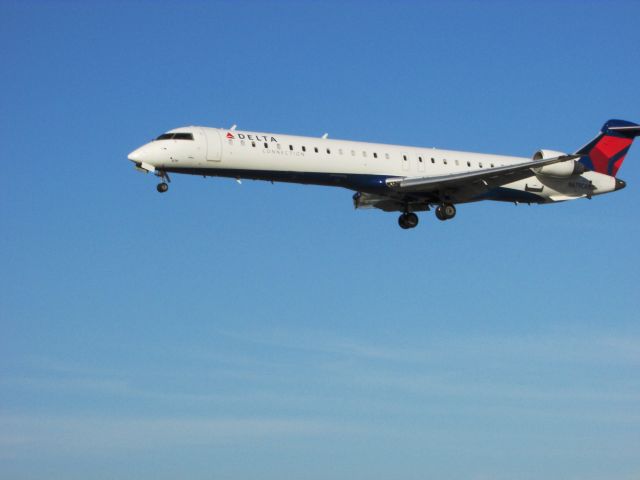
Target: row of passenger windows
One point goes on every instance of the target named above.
(303, 148)
(353, 153)
(189, 136)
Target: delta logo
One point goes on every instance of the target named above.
(252, 137)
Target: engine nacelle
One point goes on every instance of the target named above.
(560, 169)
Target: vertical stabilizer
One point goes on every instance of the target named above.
(606, 152)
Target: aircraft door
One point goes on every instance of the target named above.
(214, 145)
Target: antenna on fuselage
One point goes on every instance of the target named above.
(325, 136)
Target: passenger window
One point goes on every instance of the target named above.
(468, 164)
(329, 151)
(266, 145)
(433, 160)
(290, 147)
(315, 149)
(375, 155)
(404, 157)
(480, 164)
(253, 144)
(444, 160)
(304, 149)
(492, 165)
(420, 159)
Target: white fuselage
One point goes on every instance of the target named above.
(359, 166)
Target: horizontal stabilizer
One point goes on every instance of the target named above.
(632, 131)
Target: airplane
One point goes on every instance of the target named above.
(393, 178)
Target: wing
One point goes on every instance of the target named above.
(482, 179)
(418, 193)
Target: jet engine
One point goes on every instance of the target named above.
(560, 169)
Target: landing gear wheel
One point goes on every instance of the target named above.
(446, 211)
(162, 187)
(449, 211)
(408, 220)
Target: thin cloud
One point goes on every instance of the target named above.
(79, 434)
(580, 346)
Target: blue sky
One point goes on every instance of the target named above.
(270, 331)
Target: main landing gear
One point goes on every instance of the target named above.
(408, 220)
(163, 186)
(446, 211)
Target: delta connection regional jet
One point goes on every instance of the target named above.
(392, 177)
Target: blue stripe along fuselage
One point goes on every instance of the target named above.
(353, 181)
(359, 182)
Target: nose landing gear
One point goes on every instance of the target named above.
(408, 220)
(163, 186)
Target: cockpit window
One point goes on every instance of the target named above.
(183, 136)
(175, 136)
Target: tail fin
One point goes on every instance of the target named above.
(606, 152)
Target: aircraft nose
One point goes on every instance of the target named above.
(136, 155)
(620, 184)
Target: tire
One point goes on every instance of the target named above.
(162, 187)
(408, 220)
(412, 220)
(449, 211)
